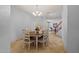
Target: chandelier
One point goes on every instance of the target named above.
(37, 12)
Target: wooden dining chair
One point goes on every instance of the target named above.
(44, 39)
(27, 40)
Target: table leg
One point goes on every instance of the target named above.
(36, 42)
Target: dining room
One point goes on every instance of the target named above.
(37, 28)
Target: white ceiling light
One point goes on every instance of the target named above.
(37, 12)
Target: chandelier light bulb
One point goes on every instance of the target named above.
(37, 13)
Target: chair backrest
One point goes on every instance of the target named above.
(45, 35)
(26, 36)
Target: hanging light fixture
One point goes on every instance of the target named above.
(37, 12)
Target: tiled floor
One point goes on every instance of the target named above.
(55, 45)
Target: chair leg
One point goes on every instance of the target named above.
(46, 43)
(34, 44)
(43, 44)
(24, 47)
(29, 47)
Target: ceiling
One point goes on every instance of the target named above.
(48, 11)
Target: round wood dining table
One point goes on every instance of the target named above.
(36, 36)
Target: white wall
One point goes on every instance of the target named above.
(73, 29)
(5, 28)
(64, 28)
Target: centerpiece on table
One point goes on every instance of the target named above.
(37, 30)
